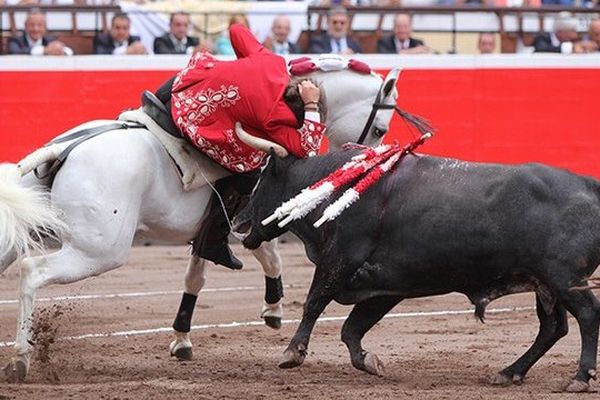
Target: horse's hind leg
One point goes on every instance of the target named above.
(362, 318)
(553, 326)
(65, 266)
(195, 278)
(268, 256)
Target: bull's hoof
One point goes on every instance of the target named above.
(15, 371)
(373, 365)
(577, 387)
(273, 322)
(291, 359)
(182, 351)
(501, 379)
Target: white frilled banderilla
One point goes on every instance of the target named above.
(371, 164)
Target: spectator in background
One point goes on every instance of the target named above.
(345, 3)
(401, 41)
(591, 43)
(336, 39)
(564, 3)
(564, 33)
(223, 43)
(34, 40)
(279, 42)
(486, 43)
(177, 40)
(118, 40)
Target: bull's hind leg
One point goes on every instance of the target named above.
(586, 309)
(553, 326)
(195, 278)
(268, 256)
(362, 318)
(65, 266)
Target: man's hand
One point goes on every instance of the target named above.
(136, 48)
(309, 92)
(586, 46)
(55, 48)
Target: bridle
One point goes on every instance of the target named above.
(419, 123)
(377, 105)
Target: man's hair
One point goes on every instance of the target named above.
(337, 10)
(184, 13)
(119, 16)
(34, 11)
(564, 21)
(292, 98)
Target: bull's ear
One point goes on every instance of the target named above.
(276, 164)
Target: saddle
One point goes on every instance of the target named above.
(157, 110)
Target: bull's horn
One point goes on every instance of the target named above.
(259, 143)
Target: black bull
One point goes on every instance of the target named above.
(437, 225)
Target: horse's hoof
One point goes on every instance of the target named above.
(501, 379)
(180, 350)
(291, 359)
(273, 322)
(183, 354)
(15, 371)
(577, 387)
(373, 365)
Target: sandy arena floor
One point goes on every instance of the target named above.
(433, 355)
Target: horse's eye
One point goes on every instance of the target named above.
(379, 132)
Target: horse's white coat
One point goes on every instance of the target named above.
(122, 183)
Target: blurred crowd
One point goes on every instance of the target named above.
(359, 3)
(337, 38)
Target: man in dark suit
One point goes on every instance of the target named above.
(34, 40)
(401, 42)
(176, 41)
(279, 43)
(336, 40)
(564, 33)
(118, 41)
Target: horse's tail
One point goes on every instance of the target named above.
(26, 215)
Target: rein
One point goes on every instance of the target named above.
(422, 125)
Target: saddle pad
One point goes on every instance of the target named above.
(195, 167)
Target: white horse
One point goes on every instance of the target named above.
(121, 184)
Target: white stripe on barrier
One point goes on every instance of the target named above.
(143, 294)
(377, 61)
(287, 321)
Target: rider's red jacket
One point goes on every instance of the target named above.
(209, 96)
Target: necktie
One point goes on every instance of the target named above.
(338, 43)
(180, 46)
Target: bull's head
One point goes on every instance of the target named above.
(266, 196)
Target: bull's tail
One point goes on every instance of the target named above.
(26, 215)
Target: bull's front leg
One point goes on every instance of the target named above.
(319, 296)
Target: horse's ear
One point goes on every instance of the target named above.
(390, 81)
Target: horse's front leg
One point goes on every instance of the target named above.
(268, 256)
(195, 278)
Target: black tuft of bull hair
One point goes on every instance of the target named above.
(480, 311)
(422, 125)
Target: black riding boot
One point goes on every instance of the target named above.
(211, 242)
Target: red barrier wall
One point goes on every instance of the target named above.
(506, 115)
